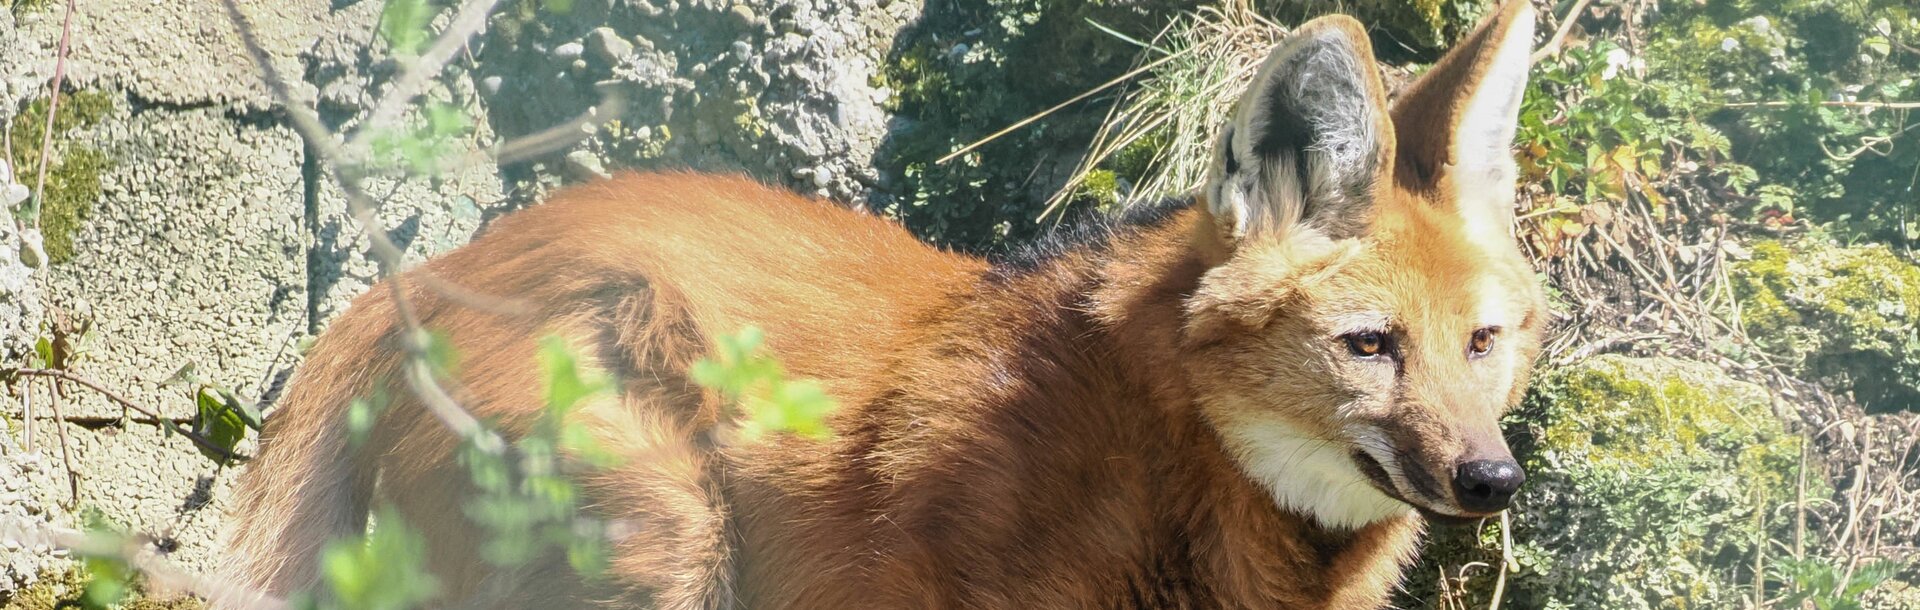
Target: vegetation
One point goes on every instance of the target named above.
(1844, 316)
(1730, 181)
(73, 174)
(1651, 484)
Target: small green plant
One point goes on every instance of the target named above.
(383, 570)
(220, 414)
(428, 146)
(1828, 586)
(1157, 136)
(527, 499)
(758, 385)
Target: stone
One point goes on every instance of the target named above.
(607, 46)
(583, 165)
(1844, 314)
(743, 15)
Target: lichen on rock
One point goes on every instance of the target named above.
(1646, 477)
(1847, 316)
(66, 588)
(73, 173)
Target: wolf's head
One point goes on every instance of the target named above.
(1368, 316)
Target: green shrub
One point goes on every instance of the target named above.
(1644, 477)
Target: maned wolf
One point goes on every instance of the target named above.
(1251, 398)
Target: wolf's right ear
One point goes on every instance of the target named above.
(1308, 142)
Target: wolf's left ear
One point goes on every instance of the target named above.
(1455, 124)
(1307, 142)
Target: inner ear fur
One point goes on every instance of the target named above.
(1309, 139)
(1458, 119)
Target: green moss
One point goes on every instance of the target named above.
(63, 589)
(73, 185)
(73, 178)
(746, 119)
(1847, 316)
(1101, 187)
(22, 7)
(1645, 478)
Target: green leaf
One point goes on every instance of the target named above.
(385, 570)
(218, 421)
(757, 384)
(404, 24)
(567, 382)
(42, 352)
(108, 581)
(362, 415)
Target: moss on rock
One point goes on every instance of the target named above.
(1645, 476)
(73, 176)
(65, 589)
(1848, 316)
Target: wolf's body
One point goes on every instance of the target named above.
(1179, 411)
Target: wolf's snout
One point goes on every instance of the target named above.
(1487, 486)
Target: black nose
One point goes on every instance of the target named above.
(1487, 486)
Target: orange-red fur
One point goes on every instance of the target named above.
(1044, 437)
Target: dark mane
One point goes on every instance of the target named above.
(1085, 229)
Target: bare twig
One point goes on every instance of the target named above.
(66, 452)
(1800, 501)
(1759, 547)
(53, 110)
(417, 72)
(1559, 38)
(90, 384)
(1144, 68)
(1507, 562)
(612, 102)
(26, 413)
(390, 256)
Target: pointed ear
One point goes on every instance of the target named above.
(1456, 123)
(1308, 140)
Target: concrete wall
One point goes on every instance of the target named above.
(211, 243)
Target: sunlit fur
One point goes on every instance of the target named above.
(1159, 415)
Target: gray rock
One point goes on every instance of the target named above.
(583, 165)
(606, 45)
(568, 52)
(743, 15)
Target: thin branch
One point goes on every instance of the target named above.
(26, 414)
(1507, 561)
(66, 452)
(416, 73)
(612, 103)
(90, 384)
(1559, 39)
(1144, 68)
(53, 110)
(391, 257)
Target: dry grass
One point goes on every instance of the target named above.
(1202, 62)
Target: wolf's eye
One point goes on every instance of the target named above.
(1481, 343)
(1366, 344)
